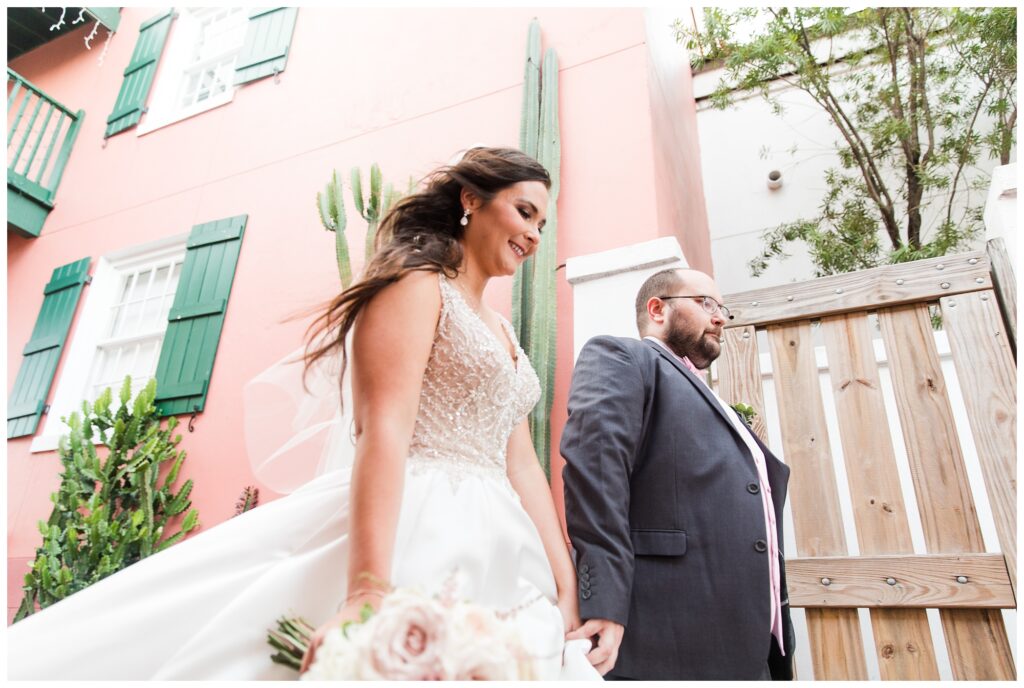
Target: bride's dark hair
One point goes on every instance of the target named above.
(421, 232)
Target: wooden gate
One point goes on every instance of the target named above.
(954, 573)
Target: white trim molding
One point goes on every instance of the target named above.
(604, 286)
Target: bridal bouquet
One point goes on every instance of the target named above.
(411, 637)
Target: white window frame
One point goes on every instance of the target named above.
(92, 329)
(163, 107)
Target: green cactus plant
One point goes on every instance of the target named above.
(534, 291)
(109, 513)
(331, 205)
(376, 205)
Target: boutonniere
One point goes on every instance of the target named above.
(746, 411)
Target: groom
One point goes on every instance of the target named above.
(673, 505)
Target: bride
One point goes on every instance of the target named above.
(445, 484)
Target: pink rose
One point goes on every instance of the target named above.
(406, 638)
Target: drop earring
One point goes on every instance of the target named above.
(465, 217)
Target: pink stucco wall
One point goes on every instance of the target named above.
(403, 88)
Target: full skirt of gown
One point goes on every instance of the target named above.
(200, 609)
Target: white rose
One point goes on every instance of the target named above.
(483, 648)
(336, 658)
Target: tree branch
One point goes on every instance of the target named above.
(961, 159)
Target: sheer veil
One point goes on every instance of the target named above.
(294, 434)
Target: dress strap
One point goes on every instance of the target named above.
(446, 298)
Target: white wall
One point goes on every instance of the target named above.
(604, 287)
(1001, 208)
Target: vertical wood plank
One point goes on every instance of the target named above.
(902, 636)
(987, 374)
(1005, 283)
(739, 375)
(837, 650)
(976, 639)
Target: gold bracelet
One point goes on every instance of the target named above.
(363, 592)
(360, 593)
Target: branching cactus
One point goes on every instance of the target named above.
(376, 205)
(109, 512)
(534, 292)
(331, 205)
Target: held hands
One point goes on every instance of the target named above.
(609, 637)
(351, 610)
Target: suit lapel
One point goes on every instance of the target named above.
(701, 387)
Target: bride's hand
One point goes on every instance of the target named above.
(351, 611)
(569, 606)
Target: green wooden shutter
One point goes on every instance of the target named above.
(42, 353)
(265, 51)
(197, 316)
(138, 76)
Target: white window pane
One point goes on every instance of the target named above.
(127, 288)
(141, 285)
(145, 363)
(115, 321)
(151, 308)
(130, 320)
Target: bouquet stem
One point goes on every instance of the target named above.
(291, 640)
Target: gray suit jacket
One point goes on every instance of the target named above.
(664, 512)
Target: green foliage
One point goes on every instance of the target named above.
(331, 206)
(290, 640)
(109, 512)
(746, 411)
(905, 88)
(248, 500)
(534, 302)
(377, 204)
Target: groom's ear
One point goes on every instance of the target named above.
(655, 310)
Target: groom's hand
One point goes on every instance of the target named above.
(609, 637)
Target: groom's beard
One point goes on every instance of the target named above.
(700, 347)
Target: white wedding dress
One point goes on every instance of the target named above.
(200, 609)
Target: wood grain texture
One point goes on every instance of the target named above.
(976, 639)
(919, 581)
(987, 374)
(1004, 282)
(739, 375)
(837, 652)
(880, 515)
(837, 648)
(884, 286)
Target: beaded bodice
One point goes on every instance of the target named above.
(473, 394)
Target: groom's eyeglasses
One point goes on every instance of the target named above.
(709, 304)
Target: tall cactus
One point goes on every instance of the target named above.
(534, 297)
(331, 206)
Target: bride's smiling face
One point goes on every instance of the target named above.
(504, 232)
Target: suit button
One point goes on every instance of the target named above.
(761, 546)
(584, 569)
(752, 488)
(585, 594)
(585, 585)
